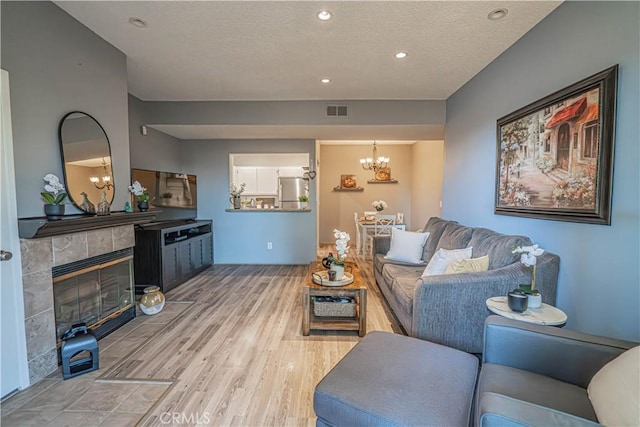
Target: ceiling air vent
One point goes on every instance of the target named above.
(337, 111)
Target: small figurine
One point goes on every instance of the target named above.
(103, 205)
(127, 207)
(86, 205)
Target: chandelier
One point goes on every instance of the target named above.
(374, 163)
(106, 178)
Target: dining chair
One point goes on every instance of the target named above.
(383, 224)
(356, 219)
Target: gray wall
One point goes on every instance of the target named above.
(241, 238)
(294, 112)
(599, 285)
(156, 150)
(57, 65)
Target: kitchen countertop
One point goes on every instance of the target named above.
(274, 210)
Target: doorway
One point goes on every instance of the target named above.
(13, 358)
(563, 147)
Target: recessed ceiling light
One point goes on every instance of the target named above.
(494, 15)
(138, 22)
(324, 15)
(400, 55)
(325, 81)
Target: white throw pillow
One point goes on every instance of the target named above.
(614, 391)
(406, 246)
(443, 257)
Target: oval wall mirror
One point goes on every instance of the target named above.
(86, 156)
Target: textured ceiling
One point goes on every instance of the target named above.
(238, 50)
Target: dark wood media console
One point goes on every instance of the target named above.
(170, 252)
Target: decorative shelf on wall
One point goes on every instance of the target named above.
(348, 189)
(388, 181)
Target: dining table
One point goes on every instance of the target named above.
(367, 227)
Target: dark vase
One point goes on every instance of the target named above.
(143, 206)
(518, 301)
(54, 212)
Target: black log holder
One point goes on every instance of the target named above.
(75, 341)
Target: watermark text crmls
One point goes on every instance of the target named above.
(178, 418)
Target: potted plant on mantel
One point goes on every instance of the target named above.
(54, 196)
(141, 193)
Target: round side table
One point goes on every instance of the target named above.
(545, 315)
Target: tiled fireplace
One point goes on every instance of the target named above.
(46, 256)
(96, 291)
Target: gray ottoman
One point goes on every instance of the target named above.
(389, 379)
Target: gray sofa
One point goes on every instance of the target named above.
(530, 375)
(450, 309)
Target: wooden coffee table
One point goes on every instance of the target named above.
(356, 290)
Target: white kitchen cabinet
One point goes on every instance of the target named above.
(267, 180)
(291, 171)
(258, 180)
(247, 175)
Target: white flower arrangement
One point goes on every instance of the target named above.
(342, 247)
(529, 258)
(379, 205)
(55, 191)
(139, 191)
(234, 191)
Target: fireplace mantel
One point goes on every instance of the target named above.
(34, 228)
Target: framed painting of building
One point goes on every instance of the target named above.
(554, 157)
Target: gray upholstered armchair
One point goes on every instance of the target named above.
(530, 375)
(538, 375)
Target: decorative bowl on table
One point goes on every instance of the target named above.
(322, 278)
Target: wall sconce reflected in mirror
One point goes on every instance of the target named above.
(106, 179)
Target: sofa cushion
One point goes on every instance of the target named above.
(376, 384)
(455, 236)
(471, 265)
(380, 261)
(614, 390)
(406, 246)
(435, 226)
(497, 246)
(404, 289)
(401, 282)
(532, 389)
(441, 260)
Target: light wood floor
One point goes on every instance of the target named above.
(226, 350)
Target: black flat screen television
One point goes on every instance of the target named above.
(175, 194)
